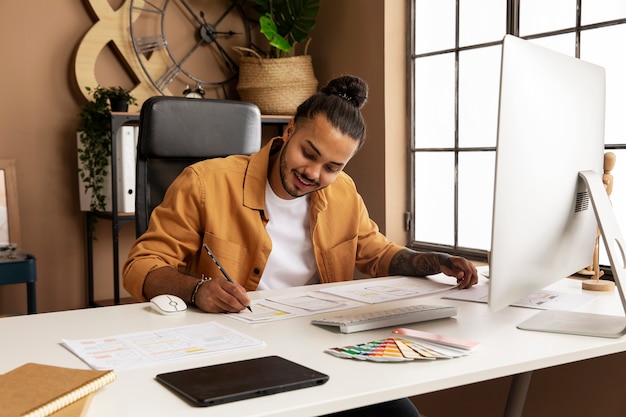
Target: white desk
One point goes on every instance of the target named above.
(504, 351)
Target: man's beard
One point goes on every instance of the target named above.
(285, 172)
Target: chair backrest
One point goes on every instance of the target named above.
(175, 132)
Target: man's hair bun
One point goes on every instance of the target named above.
(350, 88)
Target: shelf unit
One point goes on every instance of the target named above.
(118, 220)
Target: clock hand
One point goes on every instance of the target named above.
(191, 12)
(226, 12)
(226, 56)
(229, 33)
(207, 34)
(202, 22)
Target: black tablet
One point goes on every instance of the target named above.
(234, 381)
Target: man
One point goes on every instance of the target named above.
(286, 216)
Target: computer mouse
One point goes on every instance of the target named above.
(168, 304)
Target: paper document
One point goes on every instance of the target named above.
(541, 300)
(378, 291)
(279, 308)
(339, 297)
(143, 348)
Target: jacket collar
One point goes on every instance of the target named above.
(256, 175)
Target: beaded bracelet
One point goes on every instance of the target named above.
(197, 287)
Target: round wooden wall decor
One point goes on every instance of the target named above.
(167, 46)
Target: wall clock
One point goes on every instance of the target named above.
(166, 45)
(188, 42)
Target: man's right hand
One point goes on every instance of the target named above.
(216, 295)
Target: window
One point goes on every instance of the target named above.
(455, 49)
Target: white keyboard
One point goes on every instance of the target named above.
(357, 322)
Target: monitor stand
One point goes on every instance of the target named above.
(589, 324)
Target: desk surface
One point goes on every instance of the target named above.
(504, 350)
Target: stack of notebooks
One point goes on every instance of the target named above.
(36, 390)
(411, 345)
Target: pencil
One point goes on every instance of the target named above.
(221, 268)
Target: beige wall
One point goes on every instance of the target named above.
(37, 127)
(367, 38)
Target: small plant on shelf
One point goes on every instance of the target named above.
(119, 98)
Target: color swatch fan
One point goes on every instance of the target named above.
(416, 345)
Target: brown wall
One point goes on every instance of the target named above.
(365, 37)
(37, 127)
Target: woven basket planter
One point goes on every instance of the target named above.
(275, 85)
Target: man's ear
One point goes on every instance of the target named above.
(289, 130)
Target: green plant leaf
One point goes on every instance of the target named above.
(268, 28)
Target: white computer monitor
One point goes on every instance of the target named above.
(550, 129)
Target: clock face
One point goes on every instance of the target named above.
(188, 42)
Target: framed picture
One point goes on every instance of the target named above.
(9, 208)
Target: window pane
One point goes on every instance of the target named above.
(604, 47)
(476, 179)
(595, 11)
(434, 101)
(434, 197)
(434, 25)
(479, 82)
(481, 21)
(437, 199)
(539, 16)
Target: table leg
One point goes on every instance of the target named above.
(517, 394)
(31, 297)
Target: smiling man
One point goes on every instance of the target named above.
(286, 216)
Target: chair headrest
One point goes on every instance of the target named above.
(179, 127)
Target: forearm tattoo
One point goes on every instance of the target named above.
(409, 262)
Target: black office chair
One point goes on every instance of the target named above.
(175, 132)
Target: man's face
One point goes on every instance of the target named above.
(313, 155)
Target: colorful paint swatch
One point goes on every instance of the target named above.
(390, 350)
(408, 352)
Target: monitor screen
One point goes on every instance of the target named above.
(550, 128)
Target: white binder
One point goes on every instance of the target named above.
(126, 154)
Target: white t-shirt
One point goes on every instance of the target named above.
(291, 262)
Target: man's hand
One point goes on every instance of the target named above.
(410, 262)
(217, 295)
(462, 269)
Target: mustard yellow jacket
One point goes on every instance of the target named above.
(221, 202)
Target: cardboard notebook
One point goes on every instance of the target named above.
(36, 390)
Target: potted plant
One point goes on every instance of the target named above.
(94, 137)
(119, 98)
(280, 80)
(284, 23)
